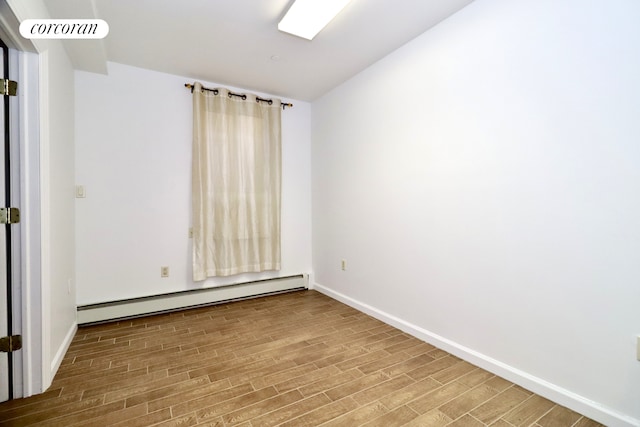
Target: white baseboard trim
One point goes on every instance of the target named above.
(537, 385)
(136, 307)
(57, 359)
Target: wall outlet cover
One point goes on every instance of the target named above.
(80, 192)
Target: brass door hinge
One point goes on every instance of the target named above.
(9, 215)
(10, 344)
(8, 87)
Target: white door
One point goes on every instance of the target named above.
(10, 364)
(5, 303)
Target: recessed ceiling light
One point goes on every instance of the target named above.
(306, 18)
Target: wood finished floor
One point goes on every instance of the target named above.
(296, 359)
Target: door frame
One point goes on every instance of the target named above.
(36, 375)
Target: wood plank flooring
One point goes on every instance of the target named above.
(296, 359)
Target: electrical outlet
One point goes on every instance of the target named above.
(80, 192)
(164, 271)
(344, 265)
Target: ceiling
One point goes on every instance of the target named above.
(237, 42)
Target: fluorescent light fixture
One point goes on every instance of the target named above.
(306, 18)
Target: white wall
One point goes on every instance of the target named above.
(482, 183)
(133, 155)
(58, 188)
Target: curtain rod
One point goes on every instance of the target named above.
(240, 95)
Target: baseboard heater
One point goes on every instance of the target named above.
(137, 307)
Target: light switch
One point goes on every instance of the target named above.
(80, 193)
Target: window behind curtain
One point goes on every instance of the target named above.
(236, 180)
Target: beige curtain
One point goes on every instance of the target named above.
(236, 184)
